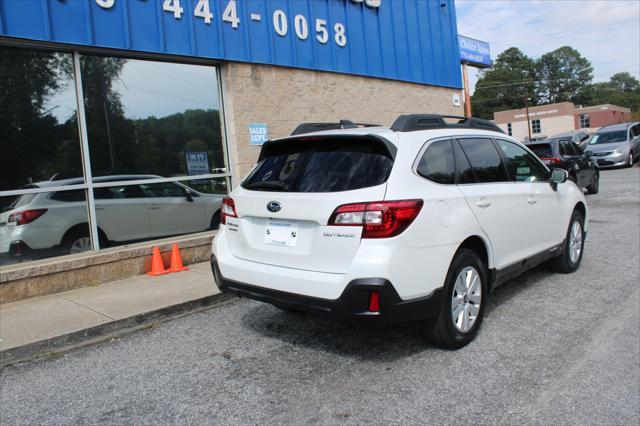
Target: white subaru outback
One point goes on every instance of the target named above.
(416, 222)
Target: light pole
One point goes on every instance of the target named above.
(526, 106)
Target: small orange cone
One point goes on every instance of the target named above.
(157, 267)
(176, 260)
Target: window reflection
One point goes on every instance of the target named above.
(151, 117)
(38, 127)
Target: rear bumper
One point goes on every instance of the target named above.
(352, 305)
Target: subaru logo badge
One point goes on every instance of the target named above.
(274, 206)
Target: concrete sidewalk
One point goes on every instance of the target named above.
(41, 325)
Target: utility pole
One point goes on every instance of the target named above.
(467, 98)
(526, 105)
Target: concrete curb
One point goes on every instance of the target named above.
(65, 342)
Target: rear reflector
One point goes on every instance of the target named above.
(379, 219)
(374, 301)
(26, 216)
(228, 209)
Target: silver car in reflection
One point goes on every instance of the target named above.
(49, 223)
(615, 145)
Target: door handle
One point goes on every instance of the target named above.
(154, 206)
(532, 200)
(483, 203)
(99, 209)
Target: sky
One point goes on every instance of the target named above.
(606, 32)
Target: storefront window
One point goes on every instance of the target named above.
(152, 118)
(154, 141)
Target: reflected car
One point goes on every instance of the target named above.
(615, 145)
(567, 155)
(52, 223)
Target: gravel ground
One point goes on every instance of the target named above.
(554, 349)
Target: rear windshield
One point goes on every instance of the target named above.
(321, 165)
(542, 150)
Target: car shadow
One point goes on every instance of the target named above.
(371, 342)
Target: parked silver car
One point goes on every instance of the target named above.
(615, 145)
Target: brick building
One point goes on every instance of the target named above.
(551, 119)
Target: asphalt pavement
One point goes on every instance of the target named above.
(554, 349)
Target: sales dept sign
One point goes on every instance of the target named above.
(258, 133)
(393, 39)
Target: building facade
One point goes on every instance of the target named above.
(547, 120)
(118, 106)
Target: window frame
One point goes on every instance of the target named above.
(584, 118)
(533, 126)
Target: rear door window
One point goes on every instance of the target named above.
(321, 165)
(485, 161)
(437, 163)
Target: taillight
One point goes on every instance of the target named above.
(26, 216)
(379, 219)
(551, 160)
(228, 209)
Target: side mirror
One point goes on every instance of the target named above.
(558, 176)
(189, 195)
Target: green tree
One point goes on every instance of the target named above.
(564, 75)
(622, 89)
(506, 85)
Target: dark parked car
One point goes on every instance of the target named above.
(565, 154)
(579, 137)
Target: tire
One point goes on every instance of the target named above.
(569, 260)
(215, 221)
(443, 330)
(630, 160)
(76, 241)
(595, 186)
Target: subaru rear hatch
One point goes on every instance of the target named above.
(282, 209)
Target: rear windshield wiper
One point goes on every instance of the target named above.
(267, 184)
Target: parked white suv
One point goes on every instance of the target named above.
(49, 223)
(416, 222)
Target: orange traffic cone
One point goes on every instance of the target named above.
(176, 260)
(157, 267)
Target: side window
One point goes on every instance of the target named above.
(635, 131)
(164, 190)
(463, 168)
(522, 166)
(437, 163)
(118, 192)
(69, 196)
(485, 160)
(563, 148)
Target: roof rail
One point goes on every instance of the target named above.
(414, 122)
(318, 127)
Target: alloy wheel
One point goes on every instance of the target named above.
(466, 299)
(80, 245)
(575, 242)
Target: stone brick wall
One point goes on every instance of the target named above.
(285, 97)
